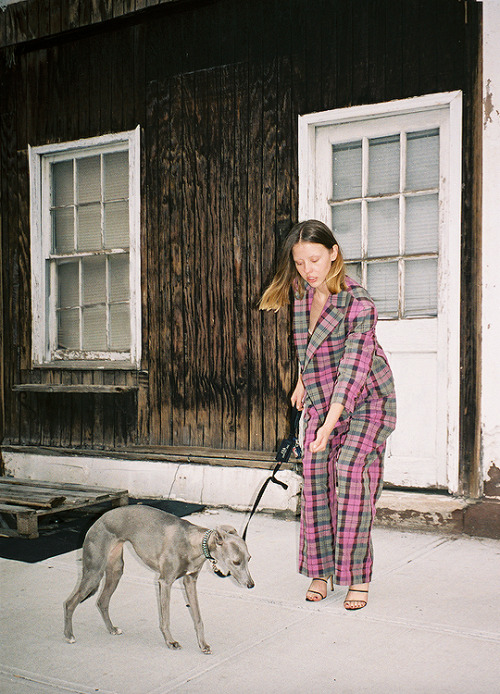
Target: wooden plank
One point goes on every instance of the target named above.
(159, 185)
(254, 262)
(285, 353)
(50, 502)
(268, 318)
(69, 487)
(73, 388)
(177, 251)
(241, 242)
(226, 234)
(191, 280)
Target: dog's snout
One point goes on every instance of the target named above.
(250, 584)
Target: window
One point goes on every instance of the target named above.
(85, 199)
(385, 214)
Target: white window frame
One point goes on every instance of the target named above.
(43, 322)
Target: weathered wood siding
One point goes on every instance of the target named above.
(217, 88)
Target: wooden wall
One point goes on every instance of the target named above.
(216, 87)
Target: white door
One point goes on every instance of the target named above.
(386, 179)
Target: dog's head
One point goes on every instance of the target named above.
(231, 552)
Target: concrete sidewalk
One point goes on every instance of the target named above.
(432, 624)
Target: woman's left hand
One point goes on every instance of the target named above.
(323, 433)
(321, 441)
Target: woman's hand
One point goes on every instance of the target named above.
(324, 431)
(298, 394)
(321, 441)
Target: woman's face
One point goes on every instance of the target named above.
(313, 262)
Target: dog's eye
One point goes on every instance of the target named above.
(237, 562)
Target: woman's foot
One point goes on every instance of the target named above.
(357, 597)
(318, 589)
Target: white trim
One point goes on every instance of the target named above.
(451, 131)
(490, 294)
(39, 162)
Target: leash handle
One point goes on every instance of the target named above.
(283, 455)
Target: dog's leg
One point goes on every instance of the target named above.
(114, 571)
(194, 608)
(165, 590)
(86, 588)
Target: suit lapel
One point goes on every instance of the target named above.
(330, 317)
(301, 319)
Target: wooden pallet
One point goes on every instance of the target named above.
(29, 500)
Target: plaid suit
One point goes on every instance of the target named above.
(342, 363)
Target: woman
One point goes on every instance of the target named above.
(347, 388)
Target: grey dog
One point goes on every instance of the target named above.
(171, 546)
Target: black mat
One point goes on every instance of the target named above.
(59, 535)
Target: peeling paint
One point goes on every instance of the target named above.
(492, 485)
(489, 108)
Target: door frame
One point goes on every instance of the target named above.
(449, 281)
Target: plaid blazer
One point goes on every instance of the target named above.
(342, 361)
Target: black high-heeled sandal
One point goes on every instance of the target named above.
(322, 597)
(346, 602)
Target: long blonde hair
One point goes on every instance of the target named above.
(277, 294)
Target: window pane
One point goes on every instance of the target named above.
(422, 222)
(63, 226)
(116, 229)
(346, 226)
(422, 160)
(353, 270)
(94, 280)
(68, 334)
(119, 277)
(89, 228)
(421, 287)
(347, 171)
(68, 284)
(382, 281)
(62, 183)
(88, 177)
(120, 326)
(94, 328)
(116, 176)
(383, 228)
(383, 176)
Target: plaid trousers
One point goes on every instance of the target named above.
(340, 490)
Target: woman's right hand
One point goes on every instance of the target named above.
(298, 395)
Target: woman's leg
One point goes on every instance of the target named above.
(359, 470)
(316, 553)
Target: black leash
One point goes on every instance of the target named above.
(287, 446)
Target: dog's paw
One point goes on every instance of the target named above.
(115, 631)
(206, 649)
(70, 639)
(174, 645)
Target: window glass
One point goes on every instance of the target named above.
(63, 230)
(116, 182)
(88, 176)
(346, 227)
(422, 160)
(383, 158)
(383, 228)
(422, 224)
(382, 280)
(421, 287)
(347, 162)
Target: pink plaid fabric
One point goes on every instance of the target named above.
(342, 362)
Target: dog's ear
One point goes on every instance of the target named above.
(228, 529)
(222, 530)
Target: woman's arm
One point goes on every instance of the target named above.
(298, 394)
